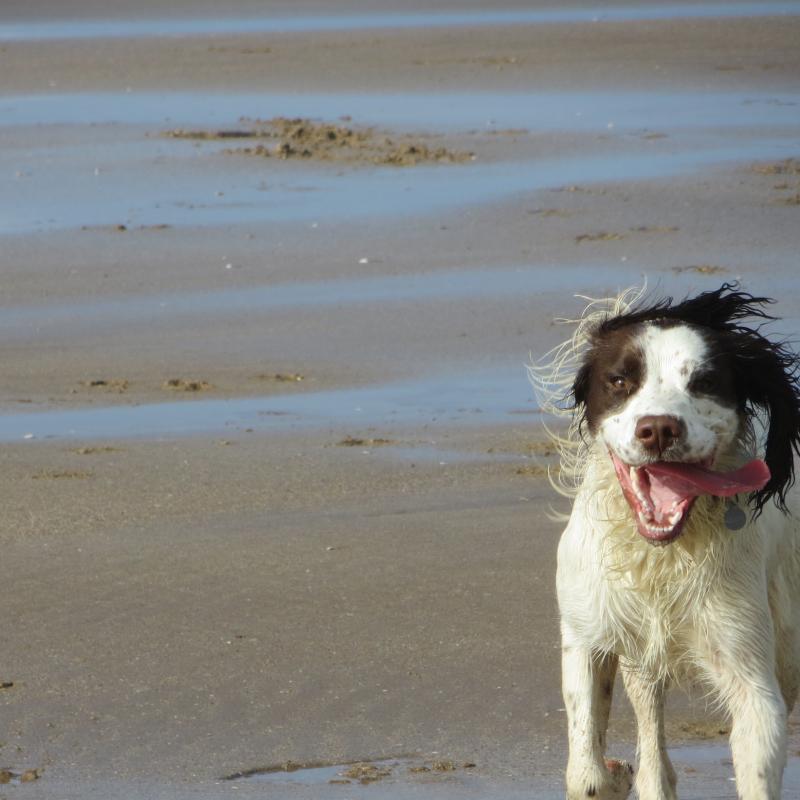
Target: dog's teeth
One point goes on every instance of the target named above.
(659, 528)
(651, 525)
(639, 492)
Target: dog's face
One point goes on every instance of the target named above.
(667, 391)
(660, 392)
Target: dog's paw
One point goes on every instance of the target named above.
(612, 783)
(621, 777)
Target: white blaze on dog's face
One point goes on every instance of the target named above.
(659, 392)
(680, 377)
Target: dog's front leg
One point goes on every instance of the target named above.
(741, 664)
(758, 732)
(655, 777)
(588, 682)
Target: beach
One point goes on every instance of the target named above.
(276, 497)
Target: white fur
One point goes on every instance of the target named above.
(715, 607)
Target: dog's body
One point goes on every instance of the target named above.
(660, 571)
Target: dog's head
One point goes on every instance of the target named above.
(668, 388)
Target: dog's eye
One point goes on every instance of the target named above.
(618, 382)
(705, 384)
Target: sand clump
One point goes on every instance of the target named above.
(118, 385)
(655, 229)
(28, 776)
(367, 773)
(56, 474)
(123, 228)
(533, 470)
(786, 169)
(602, 236)
(700, 269)
(302, 138)
(789, 166)
(356, 441)
(186, 385)
(550, 212)
(363, 772)
(613, 236)
(705, 730)
(282, 377)
(89, 451)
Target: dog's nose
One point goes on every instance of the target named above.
(657, 433)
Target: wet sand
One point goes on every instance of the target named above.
(275, 483)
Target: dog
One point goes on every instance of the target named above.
(680, 561)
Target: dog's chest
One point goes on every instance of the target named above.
(659, 627)
(652, 612)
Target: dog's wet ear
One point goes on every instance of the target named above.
(580, 393)
(580, 386)
(766, 375)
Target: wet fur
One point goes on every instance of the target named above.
(714, 607)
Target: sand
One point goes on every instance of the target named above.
(283, 495)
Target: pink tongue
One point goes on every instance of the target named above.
(691, 479)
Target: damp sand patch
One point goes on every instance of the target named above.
(306, 139)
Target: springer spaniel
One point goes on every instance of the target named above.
(680, 561)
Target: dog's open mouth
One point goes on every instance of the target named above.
(661, 494)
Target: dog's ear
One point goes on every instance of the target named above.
(580, 386)
(580, 393)
(766, 377)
